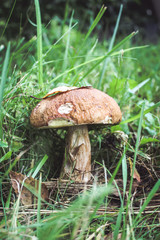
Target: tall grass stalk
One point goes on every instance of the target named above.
(8, 19)
(124, 173)
(24, 47)
(112, 176)
(39, 45)
(100, 59)
(110, 47)
(66, 11)
(67, 45)
(51, 48)
(39, 204)
(133, 169)
(3, 204)
(95, 22)
(120, 216)
(2, 85)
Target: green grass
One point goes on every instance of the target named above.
(125, 69)
(39, 45)
(2, 86)
(110, 47)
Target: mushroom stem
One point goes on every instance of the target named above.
(77, 160)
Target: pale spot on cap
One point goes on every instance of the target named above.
(65, 108)
(107, 120)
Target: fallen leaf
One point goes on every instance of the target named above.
(27, 187)
(61, 89)
(135, 174)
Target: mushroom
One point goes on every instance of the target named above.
(76, 108)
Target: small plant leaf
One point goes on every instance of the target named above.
(6, 156)
(3, 144)
(145, 140)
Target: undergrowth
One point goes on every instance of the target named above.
(127, 71)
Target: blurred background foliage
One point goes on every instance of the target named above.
(137, 15)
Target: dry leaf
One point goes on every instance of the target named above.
(28, 188)
(61, 89)
(135, 174)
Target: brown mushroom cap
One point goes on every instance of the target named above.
(78, 106)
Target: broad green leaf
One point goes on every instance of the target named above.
(148, 140)
(6, 156)
(3, 144)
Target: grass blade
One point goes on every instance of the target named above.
(116, 28)
(2, 85)
(95, 22)
(139, 114)
(8, 19)
(78, 215)
(99, 59)
(25, 46)
(7, 204)
(118, 224)
(39, 166)
(136, 147)
(39, 204)
(6, 156)
(119, 218)
(134, 160)
(67, 45)
(110, 47)
(68, 31)
(135, 89)
(124, 174)
(39, 44)
(148, 199)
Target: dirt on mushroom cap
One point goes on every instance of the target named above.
(76, 107)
